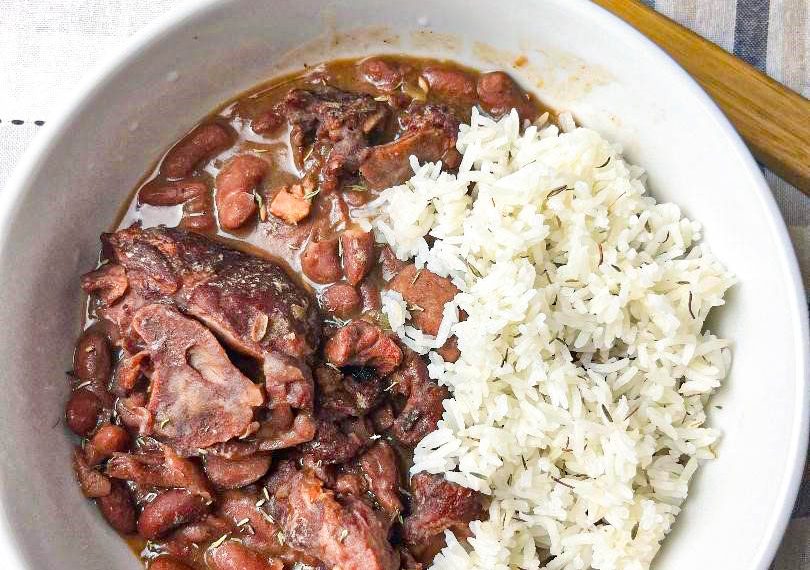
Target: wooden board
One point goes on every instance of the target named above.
(773, 120)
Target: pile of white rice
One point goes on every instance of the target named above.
(579, 399)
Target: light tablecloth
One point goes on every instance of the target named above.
(47, 45)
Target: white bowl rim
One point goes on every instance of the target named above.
(166, 24)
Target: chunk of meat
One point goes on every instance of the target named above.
(291, 204)
(333, 443)
(430, 135)
(157, 465)
(92, 483)
(499, 94)
(340, 124)
(321, 261)
(128, 371)
(198, 398)
(231, 555)
(379, 468)
(133, 413)
(118, 509)
(352, 394)
(439, 505)
(267, 122)
(169, 510)
(236, 506)
(236, 473)
(235, 184)
(288, 383)
(383, 417)
(358, 254)
(273, 436)
(361, 343)
(341, 299)
(427, 291)
(343, 533)
(452, 85)
(201, 143)
(449, 350)
(171, 193)
(109, 282)
(423, 407)
(384, 74)
(231, 292)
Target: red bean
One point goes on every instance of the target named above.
(370, 295)
(118, 509)
(169, 510)
(235, 184)
(267, 122)
(235, 473)
(166, 563)
(321, 262)
(198, 214)
(499, 94)
(171, 193)
(358, 254)
(383, 74)
(106, 441)
(201, 143)
(232, 555)
(341, 299)
(450, 84)
(82, 412)
(92, 359)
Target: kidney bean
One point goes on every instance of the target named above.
(201, 143)
(198, 214)
(106, 441)
(118, 509)
(232, 555)
(92, 359)
(341, 299)
(92, 483)
(169, 510)
(450, 84)
(370, 296)
(82, 411)
(171, 193)
(499, 94)
(235, 473)
(321, 262)
(167, 563)
(235, 184)
(267, 122)
(358, 254)
(383, 74)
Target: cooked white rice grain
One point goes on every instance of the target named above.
(578, 402)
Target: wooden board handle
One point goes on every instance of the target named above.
(773, 120)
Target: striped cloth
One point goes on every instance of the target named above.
(46, 46)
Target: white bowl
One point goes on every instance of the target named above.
(79, 171)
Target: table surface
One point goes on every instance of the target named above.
(46, 46)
